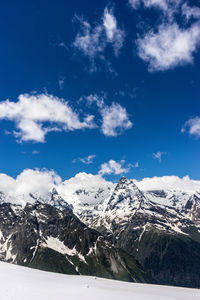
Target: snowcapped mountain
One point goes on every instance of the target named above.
(170, 190)
(172, 210)
(44, 236)
(125, 195)
(82, 222)
(159, 227)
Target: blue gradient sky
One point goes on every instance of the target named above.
(37, 54)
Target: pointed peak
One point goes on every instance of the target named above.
(126, 182)
(123, 179)
(54, 191)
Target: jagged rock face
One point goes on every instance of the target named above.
(57, 201)
(160, 228)
(126, 194)
(45, 237)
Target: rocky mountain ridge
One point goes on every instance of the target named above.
(159, 227)
(42, 236)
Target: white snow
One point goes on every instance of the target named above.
(57, 245)
(20, 283)
(6, 247)
(90, 195)
(81, 191)
(90, 192)
(85, 190)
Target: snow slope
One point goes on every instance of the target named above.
(20, 283)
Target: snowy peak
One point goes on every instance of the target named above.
(181, 201)
(192, 208)
(126, 194)
(54, 191)
(123, 180)
(57, 201)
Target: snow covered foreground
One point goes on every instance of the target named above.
(20, 283)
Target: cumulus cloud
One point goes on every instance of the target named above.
(85, 160)
(92, 41)
(160, 4)
(167, 7)
(169, 46)
(82, 188)
(115, 118)
(89, 40)
(31, 185)
(85, 188)
(190, 11)
(95, 99)
(184, 184)
(192, 126)
(114, 34)
(158, 155)
(35, 182)
(31, 113)
(113, 167)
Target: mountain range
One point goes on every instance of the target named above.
(140, 231)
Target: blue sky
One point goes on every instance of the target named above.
(108, 87)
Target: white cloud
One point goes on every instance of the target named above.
(136, 165)
(36, 115)
(160, 4)
(35, 152)
(158, 155)
(193, 127)
(35, 182)
(61, 82)
(110, 24)
(92, 42)
(31, 112)
(169, 47)
(184, 184)
(114, 120)
(114, 34)
(85, 188)
(113, 167)
(167, 7)
(32, 181)
(190, 11)
(135, 3)
(89, 41)
(85, 160)
(82, 188)
(94, 98)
